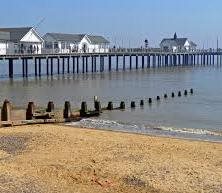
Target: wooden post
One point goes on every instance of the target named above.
(6, 111)
(122, 105)
(30, 111)
(67, 110)
(50, 107)
(83, 110)
(110, 106)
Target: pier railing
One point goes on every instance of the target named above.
(111, 51)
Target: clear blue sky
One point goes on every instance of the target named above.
(121, 21)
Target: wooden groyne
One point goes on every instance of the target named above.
(76, 63)
(34, 115)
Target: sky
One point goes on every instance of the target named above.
(124, 22)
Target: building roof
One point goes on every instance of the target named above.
(5, 36)
(14, 34)
(97, 39)
(74, 38)
(173, 42)
(192, 44)
(178, 42)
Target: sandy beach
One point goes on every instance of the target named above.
(57, 158)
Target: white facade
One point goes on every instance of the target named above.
(3, 47)
(87, 46)
(30, 43)
(177, 44)
(75, 43)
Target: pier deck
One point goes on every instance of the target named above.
(90, 62)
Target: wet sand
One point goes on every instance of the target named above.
(57, 158)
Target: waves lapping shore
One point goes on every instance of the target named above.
(186, 133)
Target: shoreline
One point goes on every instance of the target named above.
(55, 158)
(141, 134)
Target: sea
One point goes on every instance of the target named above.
(196, 116)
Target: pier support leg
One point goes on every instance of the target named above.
(68, 65)
(95, 64)
(124, 62)
(92, 63)
(117, 63)
(142, 62)
(58, 65)
(26, 67)
(73, 65)
(136, 62)
(23, 67)
(83, 64)
(86, 64)
(51, 66)
(130, 62)
(63, 65)
(10, 68)
(36, 66)
(77, 61)
(40, 66)
(47, 66)
(148, 61)
(110, 63)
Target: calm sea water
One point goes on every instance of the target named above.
(195, 116)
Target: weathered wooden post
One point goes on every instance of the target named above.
(83, 110)
(110, 106)
(133, 104)
(67, 110)
(6, 111)
(150, 100)
(98, 106)
(30, 111)
(50, 107)
(142, 103)
(122, 105)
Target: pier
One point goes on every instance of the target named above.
(76, 63)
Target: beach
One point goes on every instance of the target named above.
(58, 158)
